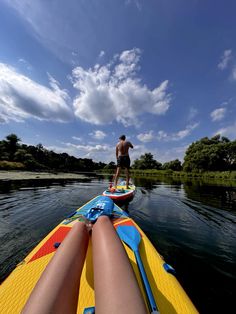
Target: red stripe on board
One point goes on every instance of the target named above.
(48, 246)
(127, 223)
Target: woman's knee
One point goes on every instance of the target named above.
(103, 220)
(79, 227)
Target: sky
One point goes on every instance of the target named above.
(77, 74)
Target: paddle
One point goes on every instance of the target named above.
(130, 236)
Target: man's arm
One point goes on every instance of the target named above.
(130, 145)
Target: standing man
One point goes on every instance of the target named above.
(123, 160)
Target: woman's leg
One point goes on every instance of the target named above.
(58, 288)
(116, 287)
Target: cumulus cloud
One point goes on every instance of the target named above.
(146, 137)
(225, 59)
(218, 114)
(228, 131)
(97, 152)
(113, 92)
(99, 135)
(22, 98)
(163, 136)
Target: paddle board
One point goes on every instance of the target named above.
(121, 193)
(168, 294)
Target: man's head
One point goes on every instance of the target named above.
(122, 137)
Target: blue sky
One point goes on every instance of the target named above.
(76, 74)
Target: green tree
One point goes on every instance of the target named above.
(12, 145)
(146, 161)
(174, 165)
(21, 154)
(4, 155)
(215, 154)
(111, 165)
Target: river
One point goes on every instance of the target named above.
(192, 225)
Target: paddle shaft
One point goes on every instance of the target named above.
(151, 300)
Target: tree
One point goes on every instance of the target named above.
(174, 165)
(21, 155)
(12, 144)
(146, 161)
(111, 165)
(4, 155)
(215, 154)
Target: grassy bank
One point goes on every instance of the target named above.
(11, 165)
(226, 175)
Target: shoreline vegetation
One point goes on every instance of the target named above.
(227, 175)
(153, 173)
(206, 159)
(221, 176)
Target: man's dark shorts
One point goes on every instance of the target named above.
(123, 162)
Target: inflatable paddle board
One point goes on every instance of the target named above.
(168, 295)
(120, 193)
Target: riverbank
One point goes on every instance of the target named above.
(27, 175)
(223, 178)
(228, 175)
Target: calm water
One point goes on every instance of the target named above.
(193, 226)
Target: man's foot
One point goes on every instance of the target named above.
(127, 187)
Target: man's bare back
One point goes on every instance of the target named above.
(123, 148)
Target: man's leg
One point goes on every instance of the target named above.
(127, 177)
(117, 176)
(58, 287)
(116, 287)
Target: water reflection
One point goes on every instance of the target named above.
(191, 223)
(217, 196)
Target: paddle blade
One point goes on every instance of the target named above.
(129, 235)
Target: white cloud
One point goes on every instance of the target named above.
(114, 92)
(192, 113)
(229, 131)
(101, 54)
(218, 114)
(225, 59)
(163, 136)
(97, 152)
(146, 137)
(161, 154)
(137, 3)
(77, 138)
(165, 155)
(234, 74)
(25, 63)
(21, 98)
(99, 135)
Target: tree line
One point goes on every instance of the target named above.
(214, 154)
(207, 154)
(39, 158)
